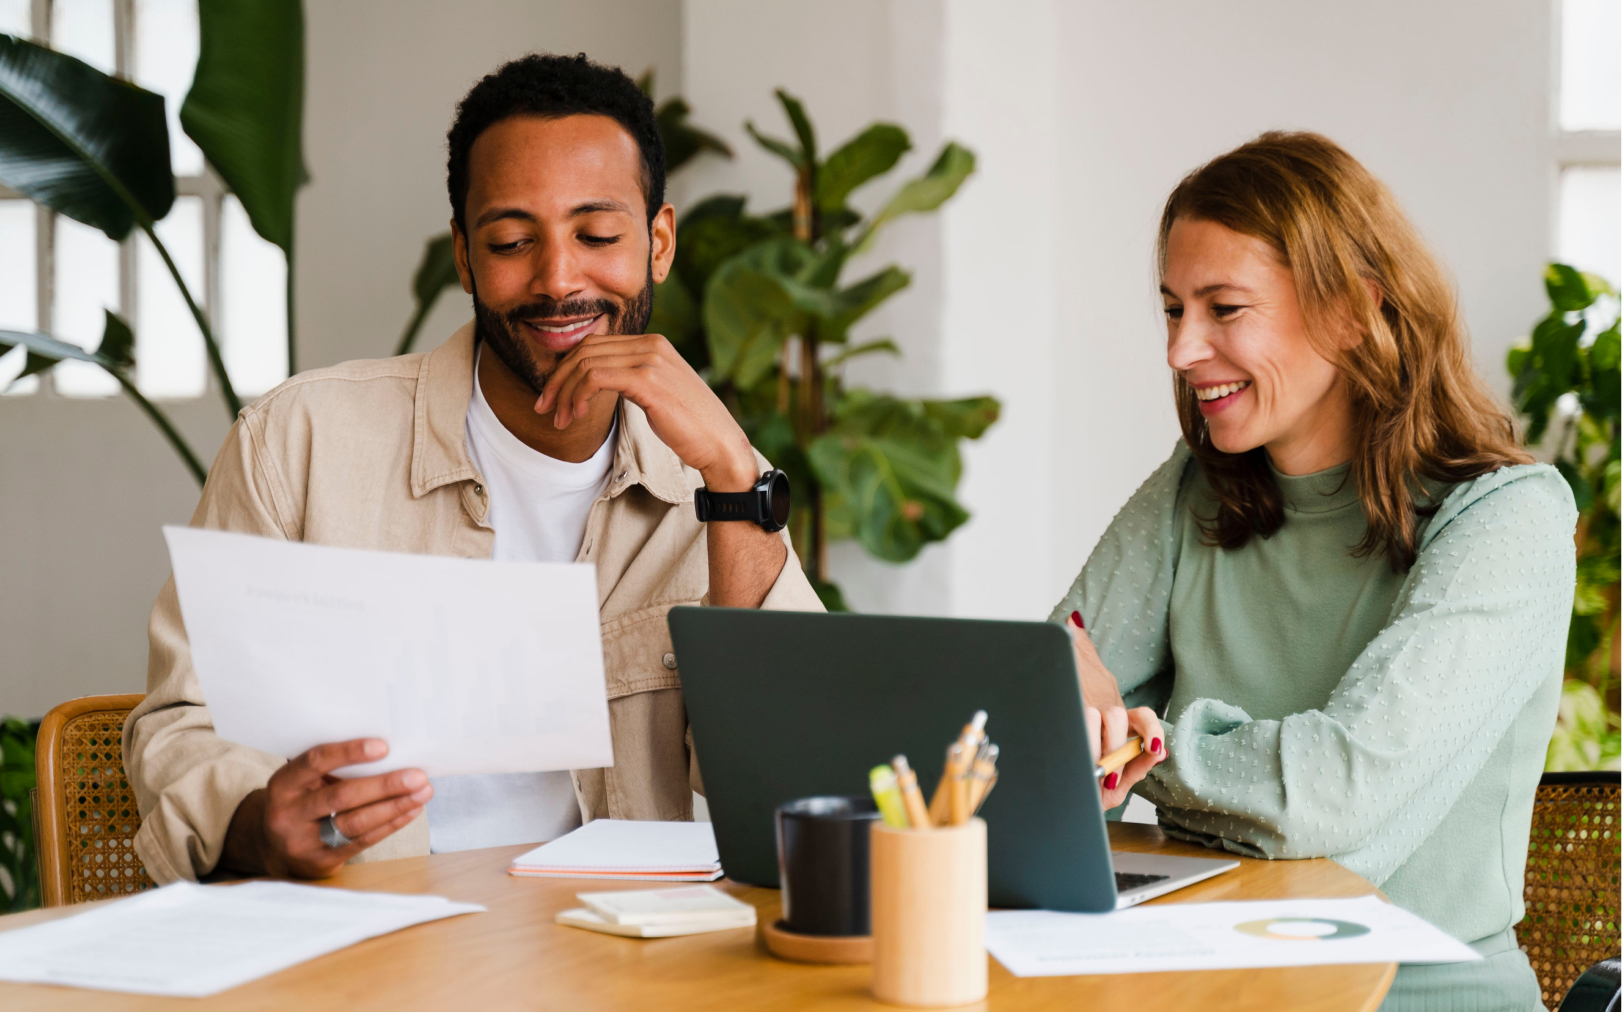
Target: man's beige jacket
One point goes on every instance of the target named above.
(373, 454)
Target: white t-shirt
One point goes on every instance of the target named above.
(538, 507)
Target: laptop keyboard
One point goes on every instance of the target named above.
(1126, 881)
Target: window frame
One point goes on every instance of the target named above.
(1571, 148)
(207, 185)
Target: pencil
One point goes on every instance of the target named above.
(1120, 757)
(907, 780)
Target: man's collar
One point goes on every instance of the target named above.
(439, 432)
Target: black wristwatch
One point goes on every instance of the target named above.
(766, 503)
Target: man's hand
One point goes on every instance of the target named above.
(1109, 722)
(684, 412)
(687, 417)
(276, 830)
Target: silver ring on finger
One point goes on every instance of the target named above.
(331, 835)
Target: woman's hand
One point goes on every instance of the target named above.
(1110, 723)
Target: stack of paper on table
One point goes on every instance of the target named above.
(628, 851)
(187, 940)
(1217, 936)
(659, 913)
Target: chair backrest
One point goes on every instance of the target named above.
(85, 814)
(1572, 878)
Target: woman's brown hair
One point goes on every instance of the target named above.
(1419, 409)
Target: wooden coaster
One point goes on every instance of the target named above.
(786, 944)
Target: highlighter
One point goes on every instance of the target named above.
(881, 780)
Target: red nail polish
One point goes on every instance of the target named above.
(1075, 617)
(1154, 746)
(1111, 780)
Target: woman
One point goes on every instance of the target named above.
(1347, 589)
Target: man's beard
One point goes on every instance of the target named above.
(499, 330)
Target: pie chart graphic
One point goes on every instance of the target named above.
(1301, 929)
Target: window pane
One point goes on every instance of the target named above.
(84, 28)
(19, 284)
(1590, 71)
(86, 286)
(1590, 207)
(165, 60)
(253, 310)
(170, 360)
(19, 289)
(16, 18)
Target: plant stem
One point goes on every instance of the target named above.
(232, 402)
(170, 433)
(811, 393)
(409, 337)
(292, 319)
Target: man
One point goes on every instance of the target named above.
(549, 428)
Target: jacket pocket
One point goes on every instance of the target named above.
(637, 654)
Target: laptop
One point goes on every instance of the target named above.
(786, 705)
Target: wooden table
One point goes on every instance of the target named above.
(515, 957)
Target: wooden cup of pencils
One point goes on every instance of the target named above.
(928, 877)
(928, 890)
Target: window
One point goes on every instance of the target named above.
(58, 276)
(1588, 145)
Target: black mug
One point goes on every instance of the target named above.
(822, 848)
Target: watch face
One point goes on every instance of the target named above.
(780, 499)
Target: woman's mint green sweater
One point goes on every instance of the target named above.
(1319, 704)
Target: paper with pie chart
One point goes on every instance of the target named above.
(1217, 936)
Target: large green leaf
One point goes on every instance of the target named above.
(1568, 288)
(890, 469)
(967, 418)
(870, 153)
(675, 315)
(246, 106)
(705, 242)
(925, 193)
(435, 273)
(803, 130)
(81, 143)
(748, 313)
(682, 141)
(780, 148)
(720, 205)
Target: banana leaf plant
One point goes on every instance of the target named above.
(436, 272)
(96, 149)
(759, 304)
(1569, 387)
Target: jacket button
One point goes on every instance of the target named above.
(670, 661)
(478, 489)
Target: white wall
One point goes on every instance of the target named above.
(85, 485)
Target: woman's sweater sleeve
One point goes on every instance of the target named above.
(1124, 590)
(1478, 626)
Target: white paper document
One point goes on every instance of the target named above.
(461, 665)
(1217, 936)
(186, 940)
(628, 850)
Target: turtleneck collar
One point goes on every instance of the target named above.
(1319, 492)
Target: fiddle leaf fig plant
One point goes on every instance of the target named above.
(761, 305)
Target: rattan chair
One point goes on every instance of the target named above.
(1571, 878)
(84, 811)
